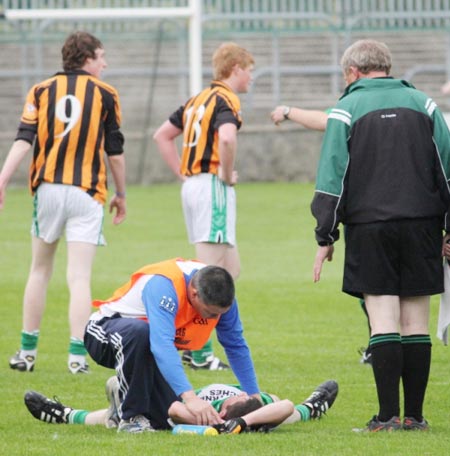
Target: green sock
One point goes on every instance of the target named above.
(29, 340)
(76, 347)
(201, 356)
(77, 417)
(305, 412)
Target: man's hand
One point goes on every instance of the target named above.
(232, 180)
(118, 203)
(323, 253)
(446, 247)
(277, 115)
(204, 412)
(232, 426)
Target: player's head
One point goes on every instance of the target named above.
(367, 56)
(78, 48)
(211, 291)
(237, 406)
(229, 55)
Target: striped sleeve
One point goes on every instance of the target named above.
(331, 173)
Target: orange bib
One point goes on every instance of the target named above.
(192, 331)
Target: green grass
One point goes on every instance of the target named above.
(300, 333)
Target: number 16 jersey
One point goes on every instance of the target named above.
(200, 118)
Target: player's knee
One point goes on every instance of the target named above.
(288, 406)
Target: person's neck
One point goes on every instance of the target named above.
(374, 74)
(230, 83)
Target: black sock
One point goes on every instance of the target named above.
(416, 369)
(387, 362)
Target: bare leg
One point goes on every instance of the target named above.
(96, 417)
(384, 313)
(220, 255)
(414, 315)
(35, 294)
(80, 258)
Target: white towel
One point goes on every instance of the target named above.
(444, 308)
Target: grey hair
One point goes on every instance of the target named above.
(367, 56)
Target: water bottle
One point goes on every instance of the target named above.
(194, 429)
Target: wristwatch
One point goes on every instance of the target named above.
(286, 111)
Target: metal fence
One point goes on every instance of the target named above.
(297, 43)
(344, 16)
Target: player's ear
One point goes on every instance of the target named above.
(222, 413)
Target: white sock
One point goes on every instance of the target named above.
(24, 353)
(77, 359)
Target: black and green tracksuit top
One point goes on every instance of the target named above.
(385, 156)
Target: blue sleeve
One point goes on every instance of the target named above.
(161, 304)
(229, 333)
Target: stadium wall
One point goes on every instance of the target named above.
(152, 80)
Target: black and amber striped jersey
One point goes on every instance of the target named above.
(200, 118)
(75, 119)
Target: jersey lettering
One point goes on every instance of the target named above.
(193, 123)
(68, 103)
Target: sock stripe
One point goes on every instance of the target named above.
(305, 412)
(29, 340)
(381, 339)
(77, 347)
(417, 339)
(77, 416)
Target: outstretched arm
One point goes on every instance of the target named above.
(270, 414)
(445, 89)
(308, 118)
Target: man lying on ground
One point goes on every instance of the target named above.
(239, 411)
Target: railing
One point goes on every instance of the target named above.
(278, 15)
(273, 22)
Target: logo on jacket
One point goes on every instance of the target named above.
(200, 321)
(168, 304)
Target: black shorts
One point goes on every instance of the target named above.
(400, 258)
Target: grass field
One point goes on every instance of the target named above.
(300, 334)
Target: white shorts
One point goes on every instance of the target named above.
(58, 207)
(209, 208)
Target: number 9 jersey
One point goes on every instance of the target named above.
(76, 118)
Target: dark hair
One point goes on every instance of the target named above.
(78, 47)
(242, 408)
(214, 286)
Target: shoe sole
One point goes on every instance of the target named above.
(21, 367)
(112, 396)
(20, 364)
